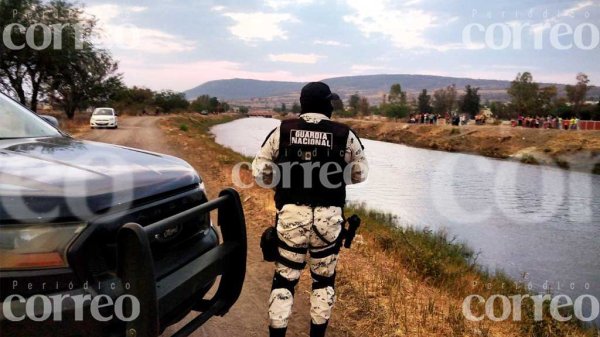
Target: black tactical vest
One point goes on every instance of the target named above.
(311, 163)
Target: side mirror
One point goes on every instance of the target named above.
(51, 120)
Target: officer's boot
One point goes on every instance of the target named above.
(277, 332)
(318, 330)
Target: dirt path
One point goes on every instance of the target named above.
(248, 316)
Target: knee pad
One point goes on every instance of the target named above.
(320, 282)
(280, 282)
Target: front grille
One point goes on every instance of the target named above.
(101, 242)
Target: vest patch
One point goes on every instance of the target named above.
(315, 138)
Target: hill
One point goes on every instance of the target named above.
(237, 88)
(372, 86)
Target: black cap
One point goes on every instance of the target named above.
(317, 97)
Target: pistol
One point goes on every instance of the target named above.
(353, 224)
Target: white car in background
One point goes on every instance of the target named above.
(104, 118)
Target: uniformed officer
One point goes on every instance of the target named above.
(309, 160)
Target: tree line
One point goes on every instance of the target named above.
(527, 98)
(77, 75)
(396, 104)
(74, 76)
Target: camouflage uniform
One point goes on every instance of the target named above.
(306, 229)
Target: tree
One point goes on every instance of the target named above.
(168, 100)
(296, 108)
(137, 96)
(21, 72)
(338, 105)
(396, 95)
(396, 105)
(500, 110)
(225, 107)
(444, 100)
(244, 109)
(283, 107)
(71, 74)
(578, 93)
(524, 94)
(470, 101)
(547, 98)
(363, 106)
(354, 103)
(206, 103)
(213, 104)
(424, 102)
(396, 111)
(85, 80)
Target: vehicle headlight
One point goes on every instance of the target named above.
(36, 246)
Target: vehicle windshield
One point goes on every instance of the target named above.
(18, 122)
(103, 112)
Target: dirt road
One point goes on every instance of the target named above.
(249, 315)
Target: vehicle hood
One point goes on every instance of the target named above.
(62, 178)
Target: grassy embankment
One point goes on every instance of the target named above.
(578, 150)
(395, 281)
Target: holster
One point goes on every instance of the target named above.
(269, 244)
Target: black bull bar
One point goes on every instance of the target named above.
(158, 298)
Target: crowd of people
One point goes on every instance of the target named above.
(431, 118)
(424, 118)
(550, 122)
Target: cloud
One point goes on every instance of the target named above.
(404, 25)
(279, 4)
(577, 7)
(186, 75)
(331, 43)
(117, 33)
(569, 12)
(295, 58)
(259, 25)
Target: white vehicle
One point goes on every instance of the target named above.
(104, 118)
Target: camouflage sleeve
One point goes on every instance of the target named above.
(262, 166)
(355, 156)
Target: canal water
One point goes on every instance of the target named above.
(536, 223)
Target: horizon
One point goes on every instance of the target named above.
(380, 74)
(173, 45)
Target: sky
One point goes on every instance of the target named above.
(168, 44)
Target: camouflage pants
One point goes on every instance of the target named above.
(315, 230)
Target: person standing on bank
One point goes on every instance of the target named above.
(309, 205)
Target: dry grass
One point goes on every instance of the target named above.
(394, 281)
(75, 126)
(412, 283)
